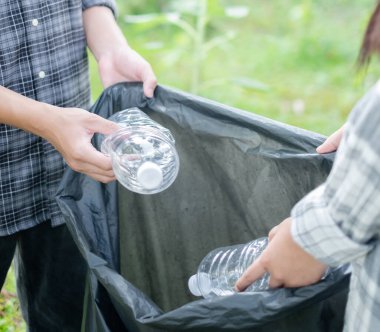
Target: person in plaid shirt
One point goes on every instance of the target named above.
(44, 126)
(338, 222)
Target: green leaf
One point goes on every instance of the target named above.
(249, 83)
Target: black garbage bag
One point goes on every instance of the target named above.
(240, 175)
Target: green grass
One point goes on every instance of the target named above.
(10, 315)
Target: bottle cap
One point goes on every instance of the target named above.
(193, 286)
(200, 284)
(149, 175)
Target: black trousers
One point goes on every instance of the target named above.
(50, 275)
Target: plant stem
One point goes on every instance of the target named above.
(198, 45)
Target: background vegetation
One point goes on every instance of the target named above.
(10, 316)
(292, 61)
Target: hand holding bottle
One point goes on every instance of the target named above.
(70, 131)
(142, 151)
(220, 269)
(286, 262)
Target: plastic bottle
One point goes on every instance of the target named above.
(144, 158)
(222, 267)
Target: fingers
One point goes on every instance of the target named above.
(149, 87)
(327, 147)
(97, 124)
(149, 81)
(90, 161)
(275, 283)
(101, 178)
(332, 142)
(96, 173)
(284, 260)
(272, 233)
(72, 138)
(255, 271)
(98, 160)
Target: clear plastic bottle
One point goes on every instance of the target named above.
(143, 153)
(222, 267)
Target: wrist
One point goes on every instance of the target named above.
(109, 53)
(42, 119)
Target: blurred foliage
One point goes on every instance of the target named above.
(293, 61)
(10, 315)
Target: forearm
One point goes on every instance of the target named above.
(69, 130)
(339, 221)
(315, 229)
(25, 113)
(117, 62)
(102, 31)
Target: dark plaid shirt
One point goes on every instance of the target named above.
(43, 57)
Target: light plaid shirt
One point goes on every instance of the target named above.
(42, 56)
(339, 222)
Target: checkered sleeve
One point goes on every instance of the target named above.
(111, 4)
(339, 221)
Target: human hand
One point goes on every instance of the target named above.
(70, 131)
(116, 60)
(286, 262)
(124, 64)
(332, 142)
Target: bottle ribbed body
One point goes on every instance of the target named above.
(221, 268)
(143, 153)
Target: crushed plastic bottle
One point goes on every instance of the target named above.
(143, 153)
(221, 268)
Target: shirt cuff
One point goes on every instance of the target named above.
(111, 4)
(318, 234)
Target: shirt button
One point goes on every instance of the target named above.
(41, 74)
(35, 22)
